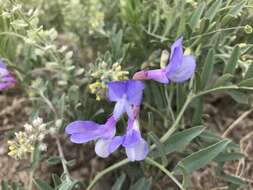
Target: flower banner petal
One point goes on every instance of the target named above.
(116, 90)
(135, 92)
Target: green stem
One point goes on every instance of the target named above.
(63, 160)
(168, 98)
(31, 174)
(213, 32)
(107, 170)
(175, 125)
(231, 87)
(154, 110)
(167, 172)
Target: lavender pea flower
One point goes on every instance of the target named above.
(126, 94)
(180, 68)
(136, 147)
(85, 131)
(6, 79)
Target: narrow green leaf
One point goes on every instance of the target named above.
(141, 184)
(231, 64)
(210, 137)
(202, 157)
(69, 185)
(237, 8)
(4, 185)
(181, 26)
(249, 73)
(179, 140)
(197, 15)
(229, 156)
(42, 185)
(54, 160)
(35, 158)
(233, 179)
(198, 109)
(225, 20)
(223, 80)
(56, 179)
(238, 96)
(15, 186)
(119, 182)
(160, 147)
(208, 68)
(211, 12)
(204, 25)
(248, 82)
(71, 163)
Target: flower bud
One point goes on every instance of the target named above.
(248, 29)
(37, 122)
(164, 58)
(58, 123)
(43, 147)
(28, 127)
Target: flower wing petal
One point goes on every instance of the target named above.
(83, 137)
(185, 71)
(132, 138)
(81, 127)
(115, 143)
(138, 152)
(102, 147)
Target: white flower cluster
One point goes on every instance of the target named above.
(25, 141)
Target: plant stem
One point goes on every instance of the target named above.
(107, 170)
(31, 174)
(63, 160)
(213, 32)
(154, 110)
(168, 98)
(176, 122)
(167, 172)
(237, 121)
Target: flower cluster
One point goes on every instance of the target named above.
(6, 79)
(104, 73)
(127, 96)
(26, 141)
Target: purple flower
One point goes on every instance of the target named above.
(85, 131)
(6, 79)
(126, 94)
(180, 68)
(136, 147)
